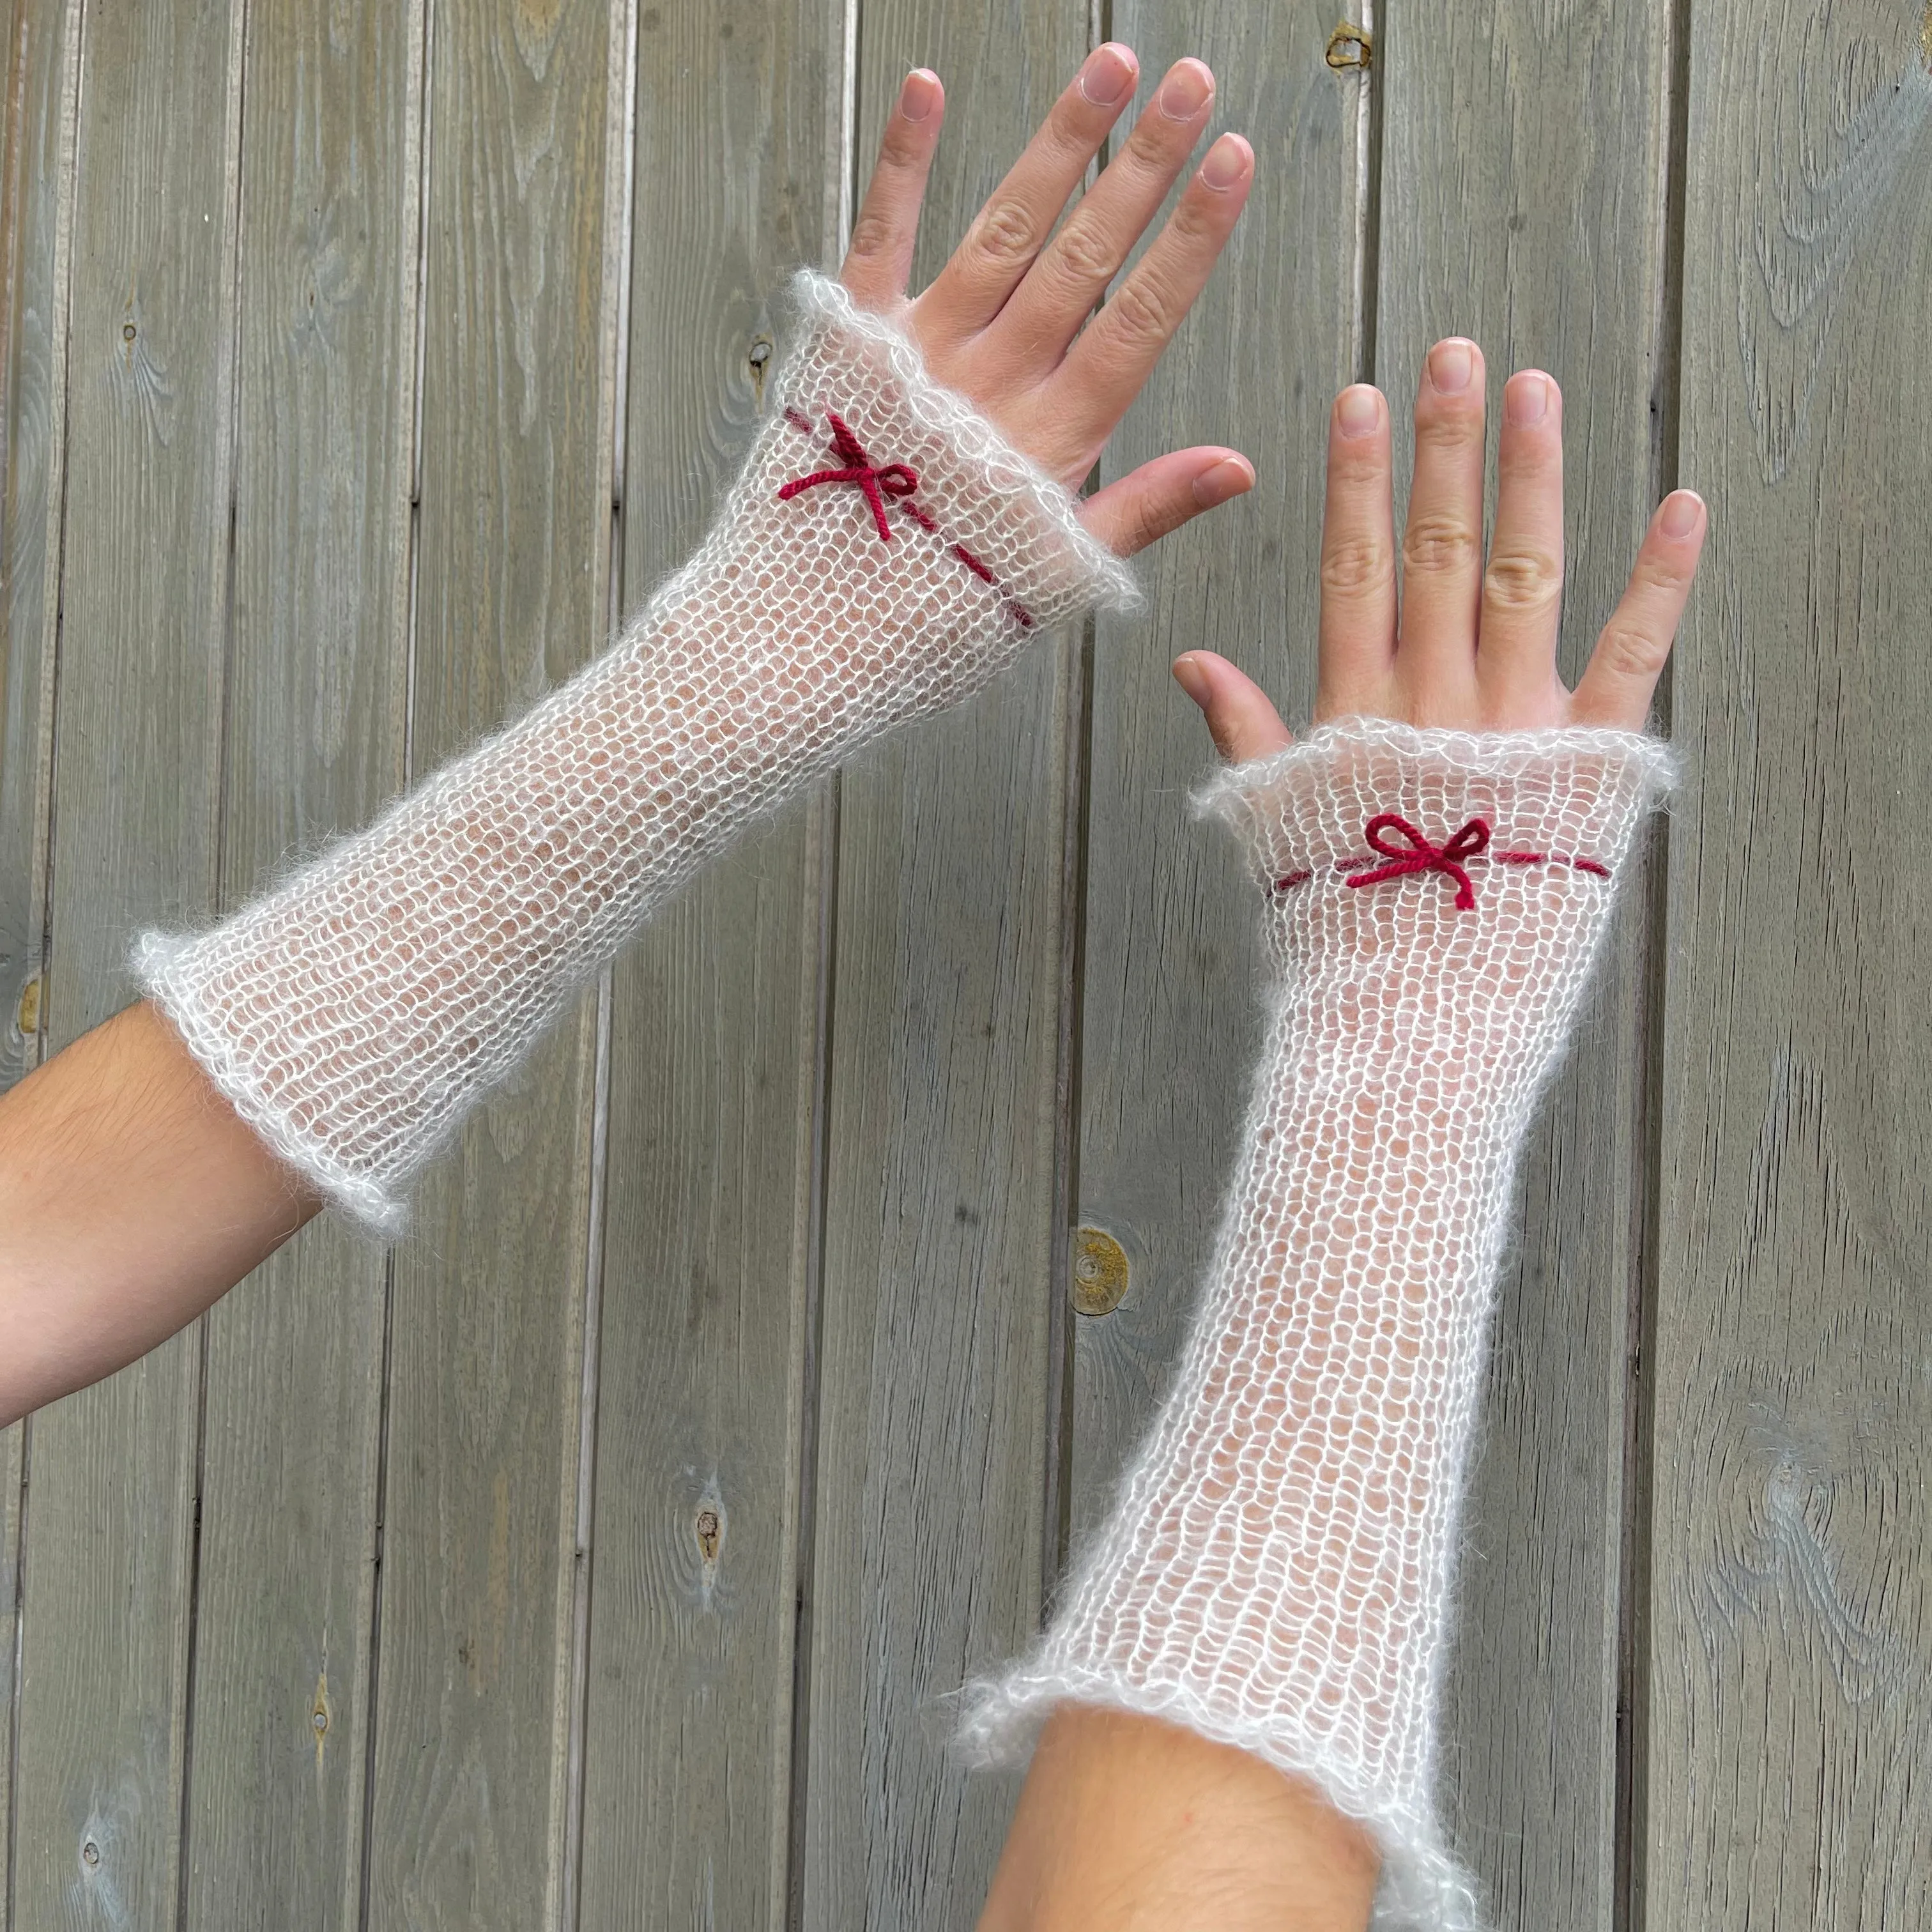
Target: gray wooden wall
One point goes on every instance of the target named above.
(599, 1556)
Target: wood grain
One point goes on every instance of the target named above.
(714, 1048)
(1516, 210)
(109, 1567)
(1169, 1018)
(942, 1209)
(477, 1619)
(36, 202)
(326, 386)
(1790, 1601)
(36, 109)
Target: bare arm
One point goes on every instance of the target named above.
(131, 1199)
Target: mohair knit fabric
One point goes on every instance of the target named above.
(883, 553)
(1276, 1572)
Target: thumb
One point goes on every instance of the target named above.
(1242, 722)
(1161, 496)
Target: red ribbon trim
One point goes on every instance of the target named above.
(877, 482)
(1422, 857)
(1468, 847)
(893, 479)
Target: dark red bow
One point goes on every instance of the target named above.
(1422, 857)
(894, 479)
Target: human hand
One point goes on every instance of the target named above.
(1002, 323)
(1473, 648)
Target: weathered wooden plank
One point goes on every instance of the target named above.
(713, 1051)
(148, 490)
(1516, 210)
(1790, 1603)
(472, 1707)
(36, 201)
(1169, 1022)
(325, 388)
(942, 1207)
(37, 71)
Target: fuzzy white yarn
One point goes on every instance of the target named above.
(1277, 1569)
(356, 1014)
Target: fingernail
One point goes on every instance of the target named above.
(1681, 509)
(1220, 480)
(1527, 399)
(1227, 162)
(1192, 678)
(1359, 410)
(1108, 74)
(1185, 92)
(919, 93)
(1451, 365)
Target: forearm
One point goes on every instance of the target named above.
(1126, 1824)
(1276, 1573)
(883, 553)
(131, 1198)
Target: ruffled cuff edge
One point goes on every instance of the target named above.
(156, 960)
(1231, 793)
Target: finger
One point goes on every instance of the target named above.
(879, 258)
(1242, 722)
(1357, 628)
(1442, 542)
(1010, 231)
(1623, 670)
(1161, 496)
(1111, 357)
(1061, 290)
(1523, 584)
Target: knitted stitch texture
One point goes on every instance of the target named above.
(883, 553)
(1276, 1570)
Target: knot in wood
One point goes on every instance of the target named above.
(1099, 1272)
(1350, 48)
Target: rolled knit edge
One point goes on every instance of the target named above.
(156, 959)
(1110, 583)
(1421, 1888)
(1230, 792)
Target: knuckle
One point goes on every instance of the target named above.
(1354, 566)
(1141, 310)
(1627, 650)
(1438, 544)
(1084, 253)
(1450, 423)
(873, 235)
(1522, 580)
(1667, 574)
(1005, 235)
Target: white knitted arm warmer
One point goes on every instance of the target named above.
(1277, 1571)
(883, 553)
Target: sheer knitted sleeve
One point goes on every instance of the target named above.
(1276, 1570)
(883, 553)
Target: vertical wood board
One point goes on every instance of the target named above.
(477, 1619)
(713, 1051)
(1790, 1610)
(36, 202)
(325, 396)
(109, 1566)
